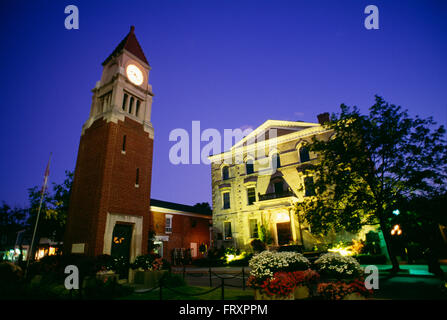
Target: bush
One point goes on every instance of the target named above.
(173, 280)
(257, 245)
(291, 248)
(52, 268)
(148, 262)
(104, 262)
(334, 265)
(241, 262)
(99, 290)
(371, 258)
(11, 277)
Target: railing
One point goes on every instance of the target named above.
(161, 286)
(275, 195)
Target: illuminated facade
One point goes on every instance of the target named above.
(257, 181)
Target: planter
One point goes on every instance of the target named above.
(262, 296)
(354, 296)
(301, 292)
(104, 277)
(148, 278)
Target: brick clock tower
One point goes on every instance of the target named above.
(109, 205)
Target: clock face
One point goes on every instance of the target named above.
(134, 74)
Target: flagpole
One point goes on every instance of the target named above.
(38, 215)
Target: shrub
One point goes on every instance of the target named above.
(104, 262)
(173, 280)
(11, 277)
(291, 248)
(105, 289)
(148, 262)
(371, 258)
(257, 245)
(241, 262)
(334, 265)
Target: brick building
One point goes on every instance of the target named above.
(179, 229)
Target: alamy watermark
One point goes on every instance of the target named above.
(189, 149)
(72, 20)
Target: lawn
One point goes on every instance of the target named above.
(190, 292)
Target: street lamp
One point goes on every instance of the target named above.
(396, 230)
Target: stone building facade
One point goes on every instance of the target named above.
(257, 181)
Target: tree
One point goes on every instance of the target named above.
(370, 165)
(204, 207)
(11, 221)
(54, 209)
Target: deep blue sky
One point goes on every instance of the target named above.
(226, 63)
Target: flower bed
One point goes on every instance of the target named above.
(336, 266)
(274, 274)
(266, 263)
(282, 275)
(342, 278)
(354, 290)
(148, 270)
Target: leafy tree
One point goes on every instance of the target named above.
(204, 207)
(54, 209)
(370, 165)
(11, 221)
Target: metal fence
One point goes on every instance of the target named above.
(210, 275)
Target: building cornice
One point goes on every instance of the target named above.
(317, 129)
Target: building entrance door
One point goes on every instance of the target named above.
(121, 240)
(284, 233)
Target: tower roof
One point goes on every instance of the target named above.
(130, 43)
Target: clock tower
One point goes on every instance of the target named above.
(109, 209)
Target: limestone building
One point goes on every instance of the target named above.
(257, 181)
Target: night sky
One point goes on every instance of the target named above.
(229, 64)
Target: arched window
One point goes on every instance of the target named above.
(249, 167)
(225, 173)
(304, 154)
(276, 161)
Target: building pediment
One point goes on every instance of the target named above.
(273, 129)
